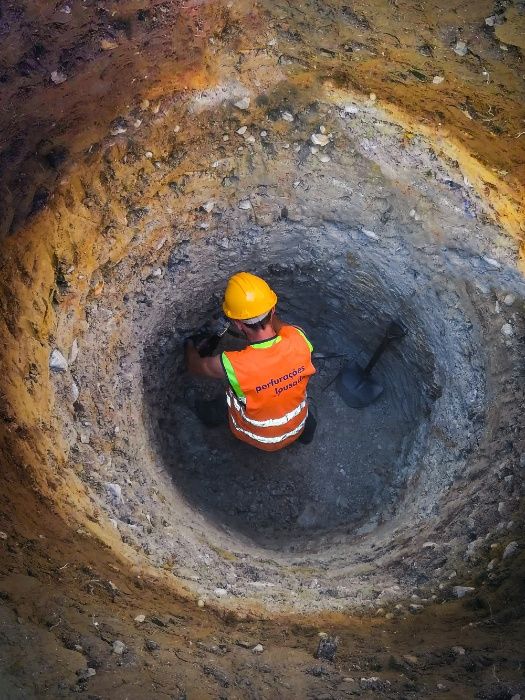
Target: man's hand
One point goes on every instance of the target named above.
(202, 366)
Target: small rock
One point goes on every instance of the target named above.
(320, 139)
(438, 79)
(351, 109)
(441, 686)
(157, 272)
(74, 392)
(243, 103)
(461, 49)
(57, 77)
(245, 204)
(458, 651)
(517, 696)
(323, 158)
(510, 550)
(84, 438)
(3, 535)
(140, 618)
(415, 608)
(507, 330)
(258, 649)
(327, 648)
(490, 21)
(151, 645)
(144, 104)
(492, 563)
(462, 591)
(108, 45)
(85, 673)
(73, 353)
(208, 206)
(118, 647)
(411, 659)
(115, 492)
(200, 603)
(250, 139)
(57, 361)
(287, 117)
(429, 545)
(242, 130)
(491, 262)
(220, 592)
(509, 299)
(149, 154)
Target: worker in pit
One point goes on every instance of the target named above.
(266, 404)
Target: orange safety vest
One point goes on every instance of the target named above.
(266, 396)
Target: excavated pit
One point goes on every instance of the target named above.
(367, 160)
(347, 253)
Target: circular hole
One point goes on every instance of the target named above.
(355, 469)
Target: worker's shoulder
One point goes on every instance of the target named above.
(289, 330)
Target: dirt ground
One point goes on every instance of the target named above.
(86, 90)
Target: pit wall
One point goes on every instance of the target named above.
(89, 228)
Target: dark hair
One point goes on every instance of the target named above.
(260, 325)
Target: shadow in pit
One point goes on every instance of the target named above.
(352, 471)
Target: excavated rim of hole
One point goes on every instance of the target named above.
(351, 282)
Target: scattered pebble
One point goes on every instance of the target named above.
(491, 262)
(490, 21)
(429, 545)
(510, 550)
(115, 492)
(209, 206)
(57, 361)
(326, 648)
(3, 535)
(220, 592)
(373, 97)
(144, 104)
(86, 673)
(118, 647)
(73, 353)
(151, 645)
(140, 618)
(108, 45)
(74, 392)
(242, 130)
(370, 234)
(461, 49)
(258, 649)
(351, 109)
(320, 139)
(462, 591)
(243, 103)
(57, 77)
(509, 299)
(200, 603)
(323, 158)
(507, 330)
(438, 79)
(287, 117)
(148, 154)
(458, 651)
(245, 204)
(415, 608)
(250, 139)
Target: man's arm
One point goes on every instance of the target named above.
(203, 366)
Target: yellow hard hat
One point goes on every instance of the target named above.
(248, 297)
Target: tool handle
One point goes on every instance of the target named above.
(395, 331)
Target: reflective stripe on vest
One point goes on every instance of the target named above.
(271, 422)
(268, 440)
